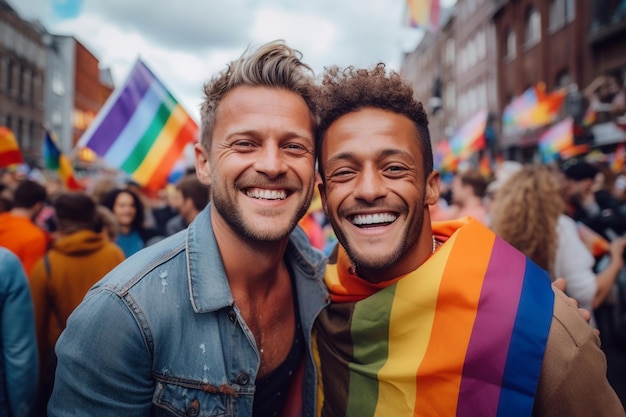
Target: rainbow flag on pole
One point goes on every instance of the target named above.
(463, 335)
(56, 161)
(534, 108)
(9, 149)
(558, 140)
(470, 137)
(424, 14)
(142, 129)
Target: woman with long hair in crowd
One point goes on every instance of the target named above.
(527, 211)
(129, 210)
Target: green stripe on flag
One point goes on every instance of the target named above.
(371, 348)
(142, 148)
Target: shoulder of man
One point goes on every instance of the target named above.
(140, 265)
(573, 376)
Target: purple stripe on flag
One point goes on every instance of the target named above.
(121, 111)
(497, 310)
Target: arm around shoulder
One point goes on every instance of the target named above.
(573, 379)
(104, 366)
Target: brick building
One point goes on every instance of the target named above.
(22, 80)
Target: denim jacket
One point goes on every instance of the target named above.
(160, 335)
(18, 344)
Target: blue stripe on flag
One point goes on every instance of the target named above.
(530, 334)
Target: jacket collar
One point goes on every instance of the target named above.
(207, 279)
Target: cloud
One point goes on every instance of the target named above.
(185, 42)
(195, 26)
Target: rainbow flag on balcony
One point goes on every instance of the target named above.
(56, 161)
(558, 140)
(9, 149)
(534, 108)
(142, 129)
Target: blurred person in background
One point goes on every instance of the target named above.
(191, 197)
(107, 223)
(6, 198)
(527, 212)
(79, 257)
(18, 232)
(590, 204)
(165, 207)
(468, 191)
(18, 346)
(130, 211)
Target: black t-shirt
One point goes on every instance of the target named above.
(272, 389)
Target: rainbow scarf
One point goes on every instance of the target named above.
(463, 335)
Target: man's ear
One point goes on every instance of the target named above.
(203, 166)
(431, 193)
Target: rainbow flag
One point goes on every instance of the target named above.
(618, 158)
(424, 14)
(443, 158)
(141, 129)
(56, 161)
(484, 167)
(533, 109)
(463, 335)
(558, 141)
(9, 149)
(470, 137)
(590, 117)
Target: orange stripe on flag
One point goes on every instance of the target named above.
(453, 328)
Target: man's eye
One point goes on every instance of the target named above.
(243, 144)
(296, 148)
(341, 173)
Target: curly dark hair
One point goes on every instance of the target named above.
(347, 90)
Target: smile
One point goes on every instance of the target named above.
(261, 194)
(375, 219)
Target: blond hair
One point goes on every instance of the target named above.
(273, 65)
(525, 213)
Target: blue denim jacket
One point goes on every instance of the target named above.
(160, 335)
(18, 343)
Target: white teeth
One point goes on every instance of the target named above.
(368, 219)
(267, 194)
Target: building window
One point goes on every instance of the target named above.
(532, 25)
(557, 14)
(449, 99)
(511, 41)
(450, 51)
(57, 85)
(570, 10)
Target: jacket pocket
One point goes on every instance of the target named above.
(175, 397)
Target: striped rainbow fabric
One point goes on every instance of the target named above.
(463, 335)
(10, 153)
(142, 129)
(424, 14)
(56, 161)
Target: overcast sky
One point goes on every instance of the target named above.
(184, 42)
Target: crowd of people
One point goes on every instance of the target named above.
(429, 302)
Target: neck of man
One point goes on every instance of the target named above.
(22, 212)
(250, 266)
